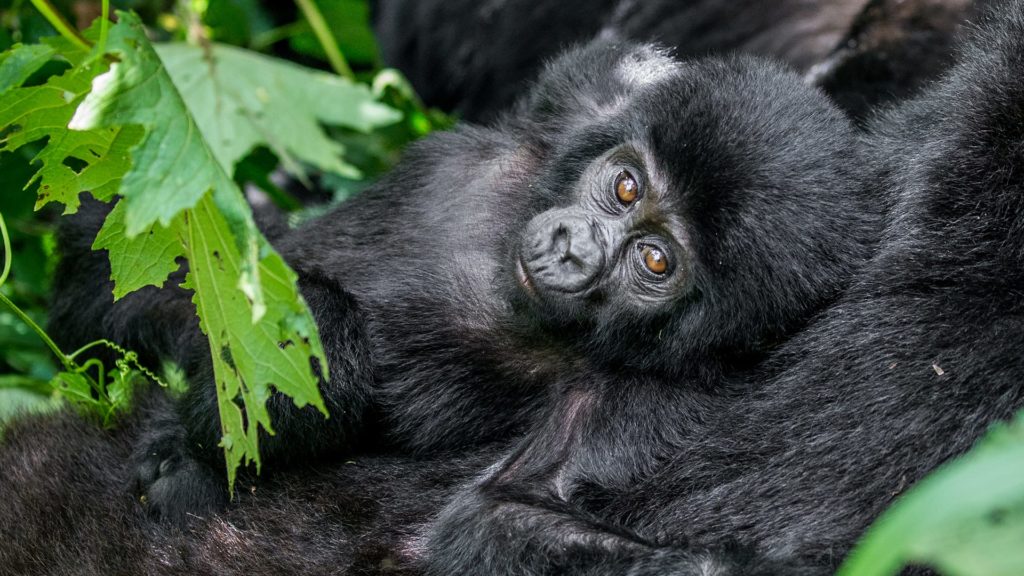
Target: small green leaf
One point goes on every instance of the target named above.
(75, 387)
(144, 260)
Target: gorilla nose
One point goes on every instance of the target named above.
(562, 253)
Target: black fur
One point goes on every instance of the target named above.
(432, 342)
(68, 512)
(478, 57)
(907, 370)
(641, 474)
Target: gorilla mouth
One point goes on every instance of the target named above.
(524, 278)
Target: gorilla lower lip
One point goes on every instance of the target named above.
(524, 278)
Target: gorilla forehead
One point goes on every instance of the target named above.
(735, 122)
(738, 123)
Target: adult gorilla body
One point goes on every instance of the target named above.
(458, 53)
(847, 414)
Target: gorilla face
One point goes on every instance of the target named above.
(682, 208)
(615, 245)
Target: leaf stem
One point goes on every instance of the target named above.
(57, 21)
(7, 250)
(104, 26)
(327, 41)
(264, 40)
(68, 364)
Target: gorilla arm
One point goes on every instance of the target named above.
(179, 465)
(527, 513)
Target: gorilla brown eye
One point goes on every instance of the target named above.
(654, 259)
(626, 188)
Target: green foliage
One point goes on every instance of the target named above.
(965, 519)
(242, 99)
(28, 114)
(349, 20)
(249, 356)
(88, 386)
(116, 124)
(173, 129)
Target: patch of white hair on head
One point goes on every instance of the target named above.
(709, 566)
(647, 65)
(641, 68)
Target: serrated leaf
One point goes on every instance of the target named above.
(130, 122)
(143, 260)
(103, 154)
(172, 168)
(241, 99)
(38, 112)
(249, 358)
(246, 298)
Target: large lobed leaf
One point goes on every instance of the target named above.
(31, 113)
(170, 158)
(241, 99)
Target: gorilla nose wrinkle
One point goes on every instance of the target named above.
(564, 255)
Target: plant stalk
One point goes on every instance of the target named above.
(327, 41)
(57, 21)
(68, 364)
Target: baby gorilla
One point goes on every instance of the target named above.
(638, 232)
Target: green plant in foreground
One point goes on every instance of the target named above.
(88, 386)
(162, 130)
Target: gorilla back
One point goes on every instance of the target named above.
(863, 53)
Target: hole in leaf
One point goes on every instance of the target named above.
(225, 355)
(9, 130)
(220, 261)
(75, 164)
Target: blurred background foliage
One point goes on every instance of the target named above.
(280, 28)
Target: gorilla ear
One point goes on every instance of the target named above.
(594, 81)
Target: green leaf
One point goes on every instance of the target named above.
(249, 358)
(143, 260)
(72, 161)
(17, 64)
(178, 200)
(172, 168)
(117, 124)
(241, 99)
(74, 386)
(965, 519)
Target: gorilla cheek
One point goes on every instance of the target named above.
(561, 253)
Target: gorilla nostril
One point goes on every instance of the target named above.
(565, 254)
(561, 241)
